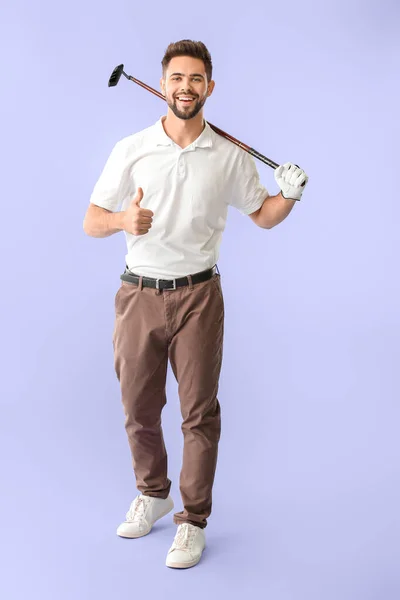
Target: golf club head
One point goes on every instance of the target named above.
(115, 76)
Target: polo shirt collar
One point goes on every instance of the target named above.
(203, 141)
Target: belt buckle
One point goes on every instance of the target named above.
(169, 288)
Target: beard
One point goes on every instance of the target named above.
(188, 113)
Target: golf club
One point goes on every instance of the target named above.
(116, 76)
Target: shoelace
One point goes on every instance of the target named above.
(136, 510)
(184, 537)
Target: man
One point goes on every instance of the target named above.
(168, 188)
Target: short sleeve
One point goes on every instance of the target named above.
(114, 182)
(247, 192)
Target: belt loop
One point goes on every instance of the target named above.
(158, 291)
(140, 283)
(190, 283)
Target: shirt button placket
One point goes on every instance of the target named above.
(181, 166)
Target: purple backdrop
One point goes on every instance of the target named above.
(307, 508)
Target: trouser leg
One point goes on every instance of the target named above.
(195, 353)
(140, 360)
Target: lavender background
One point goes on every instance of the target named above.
(307, 487)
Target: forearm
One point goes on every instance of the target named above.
(102, 223)
(274, 210)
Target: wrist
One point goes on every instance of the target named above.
(116, 221)
(121, 220)
(287, 196)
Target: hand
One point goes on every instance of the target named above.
(136, 220)
(290, 179)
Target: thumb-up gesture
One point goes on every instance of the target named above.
(137, 220)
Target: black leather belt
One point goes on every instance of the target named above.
(168, 284)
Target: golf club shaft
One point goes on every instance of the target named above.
(229, 137)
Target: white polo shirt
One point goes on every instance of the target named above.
(188, 190)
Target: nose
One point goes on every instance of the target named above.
(187, 91)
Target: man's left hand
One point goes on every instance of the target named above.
(290, 179)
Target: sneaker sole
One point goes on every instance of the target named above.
(142, 534)
(183, 565)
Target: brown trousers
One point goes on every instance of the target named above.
(185, 325)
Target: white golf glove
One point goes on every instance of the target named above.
(290, 178)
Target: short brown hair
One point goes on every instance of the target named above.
(188, 48)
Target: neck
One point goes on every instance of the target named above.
(183, 132)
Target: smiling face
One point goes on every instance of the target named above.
(185, 86)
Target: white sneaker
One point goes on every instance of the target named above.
(143, 512)
(187, 547)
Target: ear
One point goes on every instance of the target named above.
(211, 87)
(162, 86)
